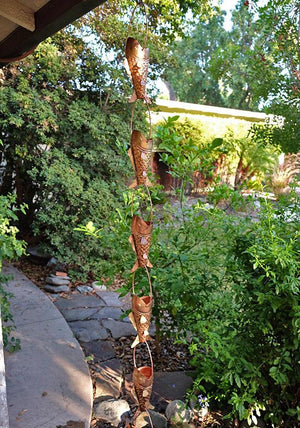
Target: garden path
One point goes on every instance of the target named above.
(48, 381)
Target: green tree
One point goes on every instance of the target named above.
(190, 74)
(62, 115)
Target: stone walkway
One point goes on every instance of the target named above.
(48, 380)
(95, 321)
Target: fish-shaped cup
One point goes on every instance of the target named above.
(143, 382)
(140, 154)
(136, 64)
(140, 239)
(140, 316)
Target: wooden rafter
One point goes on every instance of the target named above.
(18, 13)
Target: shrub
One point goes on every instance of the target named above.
(231, 289)
(10, 248)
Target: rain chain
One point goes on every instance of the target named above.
(140, 153)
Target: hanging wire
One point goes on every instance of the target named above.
(149, 282)
(142, 5)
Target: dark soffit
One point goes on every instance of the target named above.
(52, 17)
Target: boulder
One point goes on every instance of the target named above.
(177, 411)
(111, 411)
(158, 420)
(56, 288)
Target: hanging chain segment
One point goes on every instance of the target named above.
(141, 155)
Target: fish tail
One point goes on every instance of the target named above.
(135, 267)
(149, 264)
(149, 183)
(134, 184)
(133, 97)
(130, 239)
(135, 342)
(147, 100)
(131, 157)
(131, 317)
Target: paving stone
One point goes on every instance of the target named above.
(170, 386)
(108, 312)
(80, 314)
(78, 301)
(109, 378)
(56, 288)
(87, 331)
(110, 298)
(158, 420)
(119, 328)
(57, 280)
(112, 411)
(102, 350)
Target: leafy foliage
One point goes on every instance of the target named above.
(10, 248)
(235, 284)
(64, 149)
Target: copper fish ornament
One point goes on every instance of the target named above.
(140, 239)
(136, 64)
(143, 381)
(140, 316)
(140, 154)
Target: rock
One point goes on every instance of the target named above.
(37, 256)
(87, 331)
(170, 385)
(52, 262)
(102, 350)
(53, 296)
(99, 287)
(107, 312)
(56, 288)
(158, 420)
(78, 301)
(58, 274)
(84, 289)
(199, 406)
(109, 378)
(119, 328)
(81, 314)
(111, 411)
(73, 424)
(176, 411)
(110, 298)
(57, 280)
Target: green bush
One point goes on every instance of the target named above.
(10, 248)
(231, 288)
(65, 145)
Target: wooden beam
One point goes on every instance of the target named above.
(18, 13)
(55, 15)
